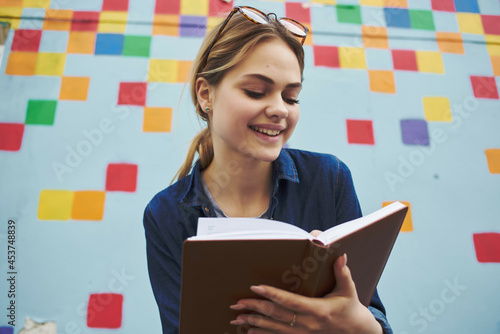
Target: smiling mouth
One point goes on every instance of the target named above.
(269, 132)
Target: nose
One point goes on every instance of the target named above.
(277, 108)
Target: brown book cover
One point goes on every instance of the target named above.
(217, 273)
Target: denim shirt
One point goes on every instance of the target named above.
(309, 190)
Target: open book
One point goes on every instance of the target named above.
(228, 255)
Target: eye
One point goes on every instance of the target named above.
(253, 94)
(291, 101)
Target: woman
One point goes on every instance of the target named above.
(245, 84)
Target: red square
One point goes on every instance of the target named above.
(105, 310)
(219, 8)
(26, 40)
(11, 136)
(85, 21)
(404, 60)
(444, 5)
(121, 177)
(116, 5)
(296, 11)
(484, 87)
(491, 24)
(487, 247)
(168, 7)
(326, 56)
(360, 132)
(132, 93)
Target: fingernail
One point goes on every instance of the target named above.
(237, 322)
(257, 289)
(237, 307)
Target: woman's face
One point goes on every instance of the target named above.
(254, 109)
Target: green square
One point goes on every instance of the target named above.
(421, 19)
(41, 112)
(136, 46)
(348, 14)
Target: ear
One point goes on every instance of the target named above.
(204, 94)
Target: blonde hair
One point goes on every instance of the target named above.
(238, 37)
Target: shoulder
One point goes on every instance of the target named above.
(308, 161)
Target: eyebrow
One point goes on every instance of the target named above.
(270, 81)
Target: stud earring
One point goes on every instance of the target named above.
(207, 109)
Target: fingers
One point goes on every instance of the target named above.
(345, 285)
(266, 308)
(288, 300)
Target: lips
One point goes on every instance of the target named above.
(269, 132)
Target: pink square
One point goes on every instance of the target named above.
(115, 5)
(296, 11)
(360, 132)
(443, 5)
(168, 7)
(26, 40)
(12, 136)
(491, 24)
(219, 8)
(326, 56)
(105, 310)
(404, 60)
(121, 177)
(484, 87)
(132, 93)
(85, 21)
(487, 246)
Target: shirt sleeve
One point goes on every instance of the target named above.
(164, 273)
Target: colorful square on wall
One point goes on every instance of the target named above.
(408, 221)
(115, 5)
(138, 46)
(193, 26)
(437, 109)
(382, 81)
(50, 63)
(55, 204)
(349, 14)
(397, 17)
(21, 63)
(487, 246)
(484, 87)
(421, 19)
(360, 132)
(430, 62)
(81, 42)
(327, 56)
(12, 136)
(41, 112)
(493, 160)
(74, 88)
(168, 7)
(132, 93)
(450, 42)
(56, 19)
(104, 310)
(443, 5)
(85, 21)
(352, 57)
(468, 6)
(375, 37)
(157, 119)
(26, 40)
(121, 177)
(404, 60)
(88, 205)
(491, 24)
(414, 132)
(109, 44)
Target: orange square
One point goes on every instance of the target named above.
(396, 3)
(495, 63)
(183, 69)
(57, 19)
(164, 24)
(88, 205)
(309, 37)
(74, 88)
(382, 81)
(408, 222)
(375, 37)
(11, 3)
(157, 119)
(81, 42)
(21, 63)
(493, 158)
(450, 42)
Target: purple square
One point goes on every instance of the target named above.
(415, 132)
(6, 330)
(193, 26)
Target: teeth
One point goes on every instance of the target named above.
(266, 131)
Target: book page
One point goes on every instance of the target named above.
(247, 228)
(339, 231)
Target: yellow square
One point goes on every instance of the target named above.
(437, 109)
(214, 21)
(470, 23)
(50, 63)
(36, 3)
(165, 24)
(88, 205)
(326, 2)
(493, 158)
(408, 221)
(57, 19)
(81, 42)
(450, 42)
(112, 22)
(430, 61)
(382, 81)
(74, 88)
(55, 204)
(352, 57)
(374, 3)
(157, 119)
(396, 3)
(493, 44)
(163, 70)
(375, 37)
(495, 63)
(194, 7)
(12, 13)
(21, 63)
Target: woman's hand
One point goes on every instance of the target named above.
(284, 312)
